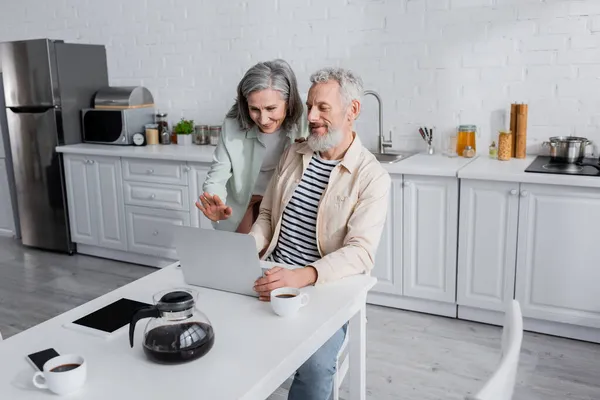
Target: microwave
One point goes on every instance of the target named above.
(106, 126)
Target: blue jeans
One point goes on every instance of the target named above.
(314, 379)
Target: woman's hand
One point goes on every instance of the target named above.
(213, 207)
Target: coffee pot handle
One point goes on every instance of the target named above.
(147, 312)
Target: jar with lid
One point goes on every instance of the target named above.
(493, 150)
(215, 133)
(466, 137)
(468, 152)
(201, 134)
(163, 126)
(504, 145)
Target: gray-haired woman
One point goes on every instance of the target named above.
(268, 115)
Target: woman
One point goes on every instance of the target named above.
(268, 115)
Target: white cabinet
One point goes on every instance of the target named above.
(150, 231)
(388, 260)
(197, 175)
(558, 255)
(95, 200)
(429, 239)
(7, 224)
(487, 243)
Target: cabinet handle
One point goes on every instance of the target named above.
(152, 196)
(150, 171)
(187, 169)
(513, 192)
(155, 233)
(524, 193)
(87, 161)
(407, 183)
(91, 161)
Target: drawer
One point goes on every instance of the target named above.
(167, 197)
(150, 230)
(155, 171)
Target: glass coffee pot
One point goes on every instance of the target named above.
(177, 331)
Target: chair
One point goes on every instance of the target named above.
(502, 383)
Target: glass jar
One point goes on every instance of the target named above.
(468, 152)
(504, 145)
(152, 136)
(466, 137)
(215, 133)
(493, 150)
(201, 134)
(163, 126)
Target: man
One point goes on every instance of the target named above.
(325, 209)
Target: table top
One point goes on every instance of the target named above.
(254, 351)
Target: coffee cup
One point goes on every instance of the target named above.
(287, 301)
(62, 374)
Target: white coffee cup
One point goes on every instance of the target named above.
(287, 301)
(62, 382)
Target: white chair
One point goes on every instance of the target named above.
(502, 383)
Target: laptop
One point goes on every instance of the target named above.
(220, 260)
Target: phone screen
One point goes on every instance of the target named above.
(113, 316)
(40, 358)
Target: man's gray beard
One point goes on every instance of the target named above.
(331, 139)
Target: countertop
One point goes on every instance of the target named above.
(488, 169)
(193, 153)
(481, 167)
(417, 164)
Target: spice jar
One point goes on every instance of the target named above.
(468, 152)
(201, 134)
(493, 150)
(163, 125)
(466, 137)
(165, 137)
(152, 134)
(504, 145)
(215, 133)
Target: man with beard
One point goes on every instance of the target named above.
(324, 209)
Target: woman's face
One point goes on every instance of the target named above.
(267, 109)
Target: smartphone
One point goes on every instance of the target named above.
(39, 359)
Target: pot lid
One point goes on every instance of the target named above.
(175, 301)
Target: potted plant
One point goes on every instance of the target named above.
(184, 130)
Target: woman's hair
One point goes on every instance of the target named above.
(276, 75)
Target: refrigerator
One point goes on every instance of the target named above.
(46, 84)
(7, 200)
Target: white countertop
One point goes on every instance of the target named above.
(480, 167)
(193, 153)
(485, 168)
(431, 165)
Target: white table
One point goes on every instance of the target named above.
(255, 351)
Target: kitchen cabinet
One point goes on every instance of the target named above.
(487, 243)
(95, 199)
(197, 175)
(7, 225)
(429, 240)
(388, 259)
(150, 231)
(558, 252)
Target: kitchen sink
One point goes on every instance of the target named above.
(391, 157)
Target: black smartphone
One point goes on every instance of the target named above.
(39, 359)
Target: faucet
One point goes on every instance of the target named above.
(383, 144)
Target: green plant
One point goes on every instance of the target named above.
(184, 127)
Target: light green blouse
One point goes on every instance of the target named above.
(236, 164)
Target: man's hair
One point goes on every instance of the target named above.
(351, 86)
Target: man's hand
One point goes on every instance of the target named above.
(278, 277)
(213, 207)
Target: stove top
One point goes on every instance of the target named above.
(542, 165)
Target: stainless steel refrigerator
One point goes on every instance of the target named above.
(46, 84)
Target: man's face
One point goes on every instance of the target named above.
(326, 110)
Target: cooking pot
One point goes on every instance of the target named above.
(567, 149)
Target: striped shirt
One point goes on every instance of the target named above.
(297, 244)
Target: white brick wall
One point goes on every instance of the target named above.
(435, 62)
